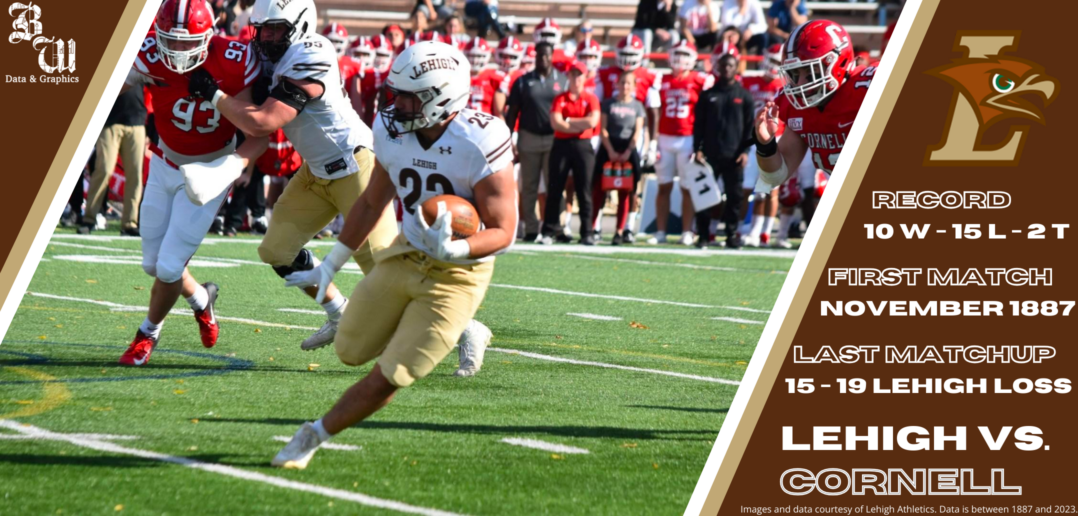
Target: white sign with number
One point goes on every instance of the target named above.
(699, 179)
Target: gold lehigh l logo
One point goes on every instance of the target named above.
(989, 88)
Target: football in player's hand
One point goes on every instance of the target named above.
(465, 218)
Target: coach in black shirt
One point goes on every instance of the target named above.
(529, 101)
(722, 134)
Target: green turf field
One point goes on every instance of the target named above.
(643, 389)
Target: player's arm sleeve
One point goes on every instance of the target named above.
(251, 66)
(308, 63)
(496, 146)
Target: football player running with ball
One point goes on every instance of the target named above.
(318, 119)
(410, 309)
(191, 131)
(822, 96)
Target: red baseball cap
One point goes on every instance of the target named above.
(578, 66)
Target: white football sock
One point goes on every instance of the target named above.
(150, 329)
(769, 224)
(333, 307)
(323, 435)
(631, 224)
(199, 299)
(757, 226)
(784, 225)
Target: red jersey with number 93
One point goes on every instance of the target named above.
(824, 130)
(187, 125)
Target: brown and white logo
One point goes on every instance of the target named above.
(989, 88)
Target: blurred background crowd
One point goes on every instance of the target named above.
(604, 111)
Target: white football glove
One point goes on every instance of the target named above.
(322, 274)
(652, 154)
(204, 182)
(438, 237)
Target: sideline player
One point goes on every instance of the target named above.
(821, 98)
(190, 131)
(307, 101)
(763, 88)
(485, 81)
(679, 94)
(410, 309)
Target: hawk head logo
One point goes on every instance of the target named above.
(989, 88)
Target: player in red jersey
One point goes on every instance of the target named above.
(508, 56)
(371, 93)
(338, 35)
(679, 93)
(485, 81)
(528, 62)
(591, 54)
(190, 131)
(820, 101)
(362, 51)
(629, 57)
(351, 72)
(549, 31)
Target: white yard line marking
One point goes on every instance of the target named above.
(607, 249)
(99, 437)
(95, 247)
(116, 307)
(325, 446)
(577, 249)
(134, 260)
(735, 319)
(353, 268)
(595, 317)
(221, 469)
(614, 366)
(302, 311)
(660, 264)
(625, 298)
(543, 445)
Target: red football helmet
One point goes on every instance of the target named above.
(337, 35)
(683, 56)
(362, 51)
(630, 53)
(383, 52)
(818, 57)
(590, 53)
(722, 49)
(790, 192)
(773, 60)
(547, 31)
(478, 52)
(184, 30)
(821, 182)
(528, 61)
(509, 54)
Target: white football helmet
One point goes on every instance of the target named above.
(297, 17)
(437, 75)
